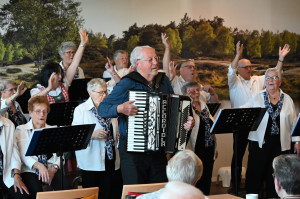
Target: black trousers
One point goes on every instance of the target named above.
(241, 142)
(109, 182)
(10, 192)
(260, 168)
(34, 185)
(206, 155)
(141, 168)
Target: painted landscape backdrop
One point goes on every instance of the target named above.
(33, 30)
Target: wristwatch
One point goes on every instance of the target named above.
(55, 166)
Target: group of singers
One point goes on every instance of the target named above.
(105, 163)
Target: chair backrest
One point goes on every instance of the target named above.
(69, 194)
(142, 188)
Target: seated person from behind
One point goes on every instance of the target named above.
(10, 108)
(184, 166)
(67, 52)
(41, 169)
(287, 176)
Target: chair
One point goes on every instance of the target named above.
(142, 188)
(69, 194)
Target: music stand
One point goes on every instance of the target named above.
(77, 90)
(23, 100)
(213, 108)
(61, 114)
(237, 120)
(296, 130)
(58, 140)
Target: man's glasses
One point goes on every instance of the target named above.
(268, 78)
(157, 59)
(70, 52)
(101, 93)
(246, 67)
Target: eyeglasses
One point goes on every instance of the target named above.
(195, 90)
(70, 52)
(268, 78)
(11, 89)
(151, 59)
(246, 67)
(189, 66)
(38, 112)
(101, 93)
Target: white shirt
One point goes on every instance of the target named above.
(80, 71)
(241, 90)
(111, 83)
(93, 157)
(23, 136)
(53, 93)
(288, 119)
(4, 107)
(178, 82)
(11, 155)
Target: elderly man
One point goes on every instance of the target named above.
(185, 167)
(138, 168)
(67, 52)
(287, 176)
(187, 74)
(119, 69)
(241, 88)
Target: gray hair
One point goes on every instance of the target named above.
(185, 62)
(275, 70)
(95, 83)
(119, 52)
(66, 46)
(188, 85)
(185, 166)
(4, 83)
(137, 54)
(287, 171)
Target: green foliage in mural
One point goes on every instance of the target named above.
(9, 53)
(224, 42)
(254, 47)
(175, 41)
(2, 50)
(132, 42)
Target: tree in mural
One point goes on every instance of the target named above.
(132, 43)
(40, 26)
(187, 41)
(290, 38)
(267, 43)
(203, 39)
(253, 46)
(224, 41)
(175, 41)
(2, 50)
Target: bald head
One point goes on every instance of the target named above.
(245, 68)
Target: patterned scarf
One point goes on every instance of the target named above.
(109, 143)
(204, 114)
(272, 113)
(17, 118)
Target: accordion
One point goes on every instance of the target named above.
(159, 122)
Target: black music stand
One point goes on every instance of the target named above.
(77, 91)
(236, 121)
(213, 108)
(58, 140)
(296, 130)
(23, 100)
(61, 114)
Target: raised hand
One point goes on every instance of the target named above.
(165, 40)
(172, 69)
(284, 51)
(109, 67)
(84, 37)
(239, 48)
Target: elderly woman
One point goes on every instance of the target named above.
(53, 82)
(201, 141)
(9, 107)
(67, 51)
(273, 135)
(99, 162)
(41, 169)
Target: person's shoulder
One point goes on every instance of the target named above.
(6, 122)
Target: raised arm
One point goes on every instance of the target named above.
(71, 71)
(239, 51)
(282, 53)
(110, 69)
(20, 91)
(167, 54)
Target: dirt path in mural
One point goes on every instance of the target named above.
(25, 69)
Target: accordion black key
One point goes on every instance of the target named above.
(159, 123)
